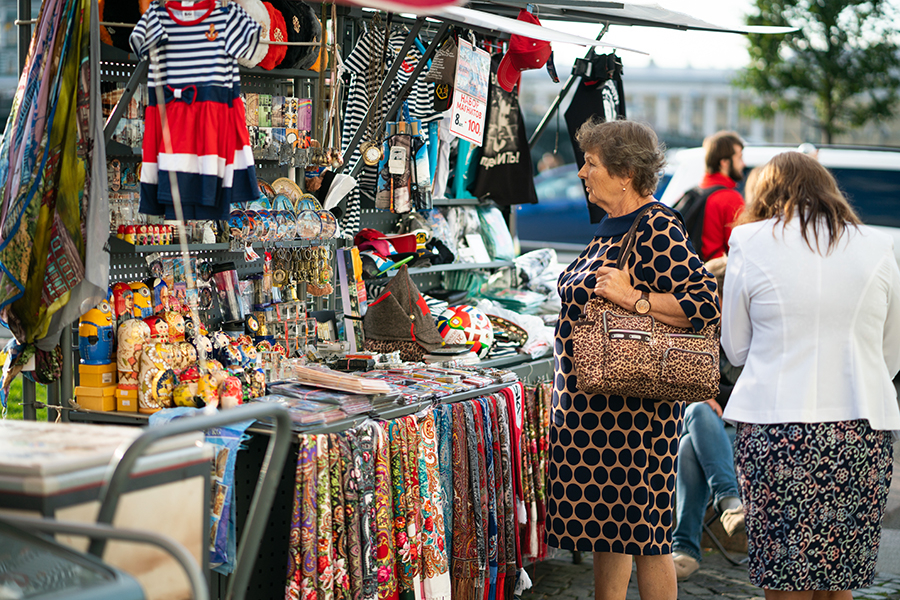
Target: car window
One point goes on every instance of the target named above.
(874, 193)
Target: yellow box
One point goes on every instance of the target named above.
(97, 375)
(126, 400)
(96, 398)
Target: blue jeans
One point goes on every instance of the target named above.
(705, 462)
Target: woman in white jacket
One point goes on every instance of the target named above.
(812, 310)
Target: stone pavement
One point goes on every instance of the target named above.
(559, 579)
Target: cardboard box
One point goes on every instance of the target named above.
(126, 400)
(97, 375)
(96, 398)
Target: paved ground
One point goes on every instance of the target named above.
(559, 579)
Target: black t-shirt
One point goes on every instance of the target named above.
(602, 98)
(505, 173)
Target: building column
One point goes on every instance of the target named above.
(709, 115)
(685, 123)
(662, 112)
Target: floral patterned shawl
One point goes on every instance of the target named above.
(384, 534)
(435, 573)
(402, 542)
(350, 474)
(365, 458)
(324, 528)
(339, 541)
(464, 564)
(301, 584)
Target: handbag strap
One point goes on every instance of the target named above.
(630, 239)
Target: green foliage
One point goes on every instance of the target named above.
(844, 59)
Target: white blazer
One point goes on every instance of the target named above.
(819, 336)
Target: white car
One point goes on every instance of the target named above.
(869, 177)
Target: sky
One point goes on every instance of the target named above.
(670, 48)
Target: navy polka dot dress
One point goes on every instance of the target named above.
(613, 459)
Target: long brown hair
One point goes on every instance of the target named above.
(795, 183)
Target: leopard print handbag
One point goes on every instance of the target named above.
(619, 352)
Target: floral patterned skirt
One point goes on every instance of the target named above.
(814, 496)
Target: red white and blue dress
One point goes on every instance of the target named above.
(194, 47)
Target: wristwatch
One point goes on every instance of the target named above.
(642, 306)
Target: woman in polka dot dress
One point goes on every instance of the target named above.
(612, 468)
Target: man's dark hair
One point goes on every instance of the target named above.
(720, 146)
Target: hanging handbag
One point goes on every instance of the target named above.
(619, 352)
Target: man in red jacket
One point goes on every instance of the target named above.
(724, 168)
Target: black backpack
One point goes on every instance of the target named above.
(692, 206)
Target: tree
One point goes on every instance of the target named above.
(843, 58)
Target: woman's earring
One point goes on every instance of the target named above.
(623, 189)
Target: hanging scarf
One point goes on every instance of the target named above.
(444, 418)
(53, 217)
(490, 487)
(532, 471)
(475, 440)
(411, 440)
(339, 542)
(301, 584)
(384, 535)
(465, 563)
(435, 574)
(351, 476)
(365, 458)
(510, 526)
(396, 432)
(499, 493)
(325, 529)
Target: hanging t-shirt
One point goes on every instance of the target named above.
(195, 62)
(358, 101)
(604, 98)
(505, 173)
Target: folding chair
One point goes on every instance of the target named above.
(715, 540)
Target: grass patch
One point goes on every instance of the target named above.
(14, 402)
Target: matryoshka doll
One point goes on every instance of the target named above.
(96, 335)
(230, 393)
(185, 396)
(157, 380)
(257, 382)
(123, 302)
(159, 329)
(249, 356)
(143, 305)
(208, 390)
(133, 334)
(185, 355)
(203, 345)
(231, 356)
(159, 291)
(176, 326)
(220, 341)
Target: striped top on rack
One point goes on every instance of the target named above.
(198, 43)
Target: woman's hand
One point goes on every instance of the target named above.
(615, 286)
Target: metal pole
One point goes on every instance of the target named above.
(24, 40)
(357, 137)
(559, 98)
(68, 371)
(29, 395)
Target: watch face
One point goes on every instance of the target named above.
(371, 153)
(642, 306)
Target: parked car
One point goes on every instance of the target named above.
(561, 216)
(868, 176)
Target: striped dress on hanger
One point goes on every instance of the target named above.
(193, 51)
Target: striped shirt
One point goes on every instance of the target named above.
(420, 105)
(198, 43)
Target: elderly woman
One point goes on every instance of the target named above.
(812, 310)
(612, 469)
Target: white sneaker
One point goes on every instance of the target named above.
(733, 521)
(685, 565)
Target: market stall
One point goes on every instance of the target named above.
(304, 205)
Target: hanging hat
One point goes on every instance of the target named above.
(524, 53)
(258, 11)
(311, 31)
(293, 23)
(277, 33)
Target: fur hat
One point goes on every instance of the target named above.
(277, 33)
(311, 31)
(401, 314)
(258, 11)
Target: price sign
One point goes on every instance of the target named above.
(473, 72)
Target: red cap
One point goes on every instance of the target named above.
(524, 53)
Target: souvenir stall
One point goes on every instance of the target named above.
(304, 205)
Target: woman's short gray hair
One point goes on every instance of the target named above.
(626, 149)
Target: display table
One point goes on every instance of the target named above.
(57, 470)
